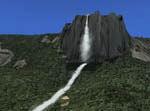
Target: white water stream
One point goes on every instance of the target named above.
(62, 91)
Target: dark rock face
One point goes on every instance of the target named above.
(109, 37)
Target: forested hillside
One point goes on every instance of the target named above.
(120, 85)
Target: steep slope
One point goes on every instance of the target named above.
(43, 75)
(119, 85)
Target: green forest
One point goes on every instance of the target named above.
(119, 85)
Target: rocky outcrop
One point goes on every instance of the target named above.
(5, 56)
(140, 50)
(20, 64)
(64, 101)
(46, 39)
(109, 36)
(56, 39)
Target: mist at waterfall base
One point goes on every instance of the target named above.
(85, 54)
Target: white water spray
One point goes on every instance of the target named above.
(62, 91)
(85, 45)
(85, 50)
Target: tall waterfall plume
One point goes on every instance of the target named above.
(86, 43)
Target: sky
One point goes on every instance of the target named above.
(49, 16)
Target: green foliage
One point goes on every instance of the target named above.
(21, 89)
(121, 85)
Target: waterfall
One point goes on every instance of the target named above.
(85, 44)
(62, 91)
(85, 54)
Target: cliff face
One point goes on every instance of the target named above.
(108, 34)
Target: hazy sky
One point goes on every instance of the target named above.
(48, 16)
